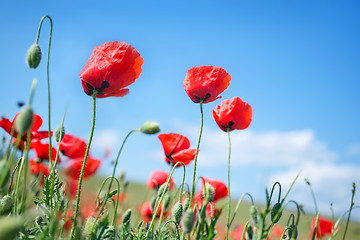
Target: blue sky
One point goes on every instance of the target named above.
(295, 62)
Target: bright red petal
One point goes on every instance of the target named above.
(221, 189)
(173, 143)
(185, 156)
(73, 167)
(73, 147)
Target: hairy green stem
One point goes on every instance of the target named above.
(83, 167)
(197, 153)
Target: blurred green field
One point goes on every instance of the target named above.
(137, 193)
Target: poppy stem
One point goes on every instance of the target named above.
(47, 73)
(351, 206)
(115, 164)
(83, 167)
(197, 152)
(228, 173)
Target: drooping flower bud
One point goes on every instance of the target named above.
(153, 202)
(33, 56)
(162, 188)
(150, 128)
(208, 192)
(276, 212)
(59, 133)
(254, 214)
(177, 212)
(6, 205)
(292, 231)
(24, 120)
(126, 216)
(166, 201)
(186, 203)
(4, 172)
(89, 226)
(188, 221)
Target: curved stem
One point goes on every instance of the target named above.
(272, 191)
(47, 72)
(228, 173)
(83, 167)
(238, 205)
(176, 226)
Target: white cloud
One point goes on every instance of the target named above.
(353, 150)
(104, 140)
(266, 148)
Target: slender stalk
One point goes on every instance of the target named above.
(114, 169)
(83, 167)
(312, 194)
(228, 173)
(197, 153)
(47, 73)
(351, 206)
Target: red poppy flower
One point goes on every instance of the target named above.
(42, 150)
(220, 188)
(122, 197)
(213, 212)
(233, 114)
(73, 167)
(206, 83)
(110, 68)
(146, 211)
(36, 124)
(158, 178)
(324, 227)
(237, 233)
(73, 147)
(176, 148)
(38, 167)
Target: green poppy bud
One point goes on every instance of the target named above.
(188, 221)
(126, 216)
(6, 205)
(24, 120)
(59, 133)
(177, 212)
(33, 56)
(153, 202)
(208, 192)
(11, 226)
(90, 226)
(161, 189)
(4, 171)
(186, 203)
(166, 201)
(292, 231)
(150, 128)
(276, 213)
(254, 214)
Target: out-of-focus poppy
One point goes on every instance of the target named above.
(158, 178)
(237, 233)
(37, 167)
(42, 150)
(147, 212)
(324, 227)
(73, 147)
(233, 114)
(110, 68)
(36, 124)
(205, 83)
(220, 188)
(176, 148)
(73, 167)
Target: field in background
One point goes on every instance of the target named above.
(137, 192)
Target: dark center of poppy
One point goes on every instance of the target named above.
(207, 96)
(99, 91)
(229, 125)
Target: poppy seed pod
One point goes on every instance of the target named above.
(177, 212)
(4, 171)
(276, 213)
(254, 214)
(166, 201)
(24, 120)
(59, 133)
(127, 216)
(33, 56)
(208, 192)
(150, 128)
(6, 205)
(186, 203)
(90, 226)
(153, 202)
(188, 221)
(162, 188)
(292, 231)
